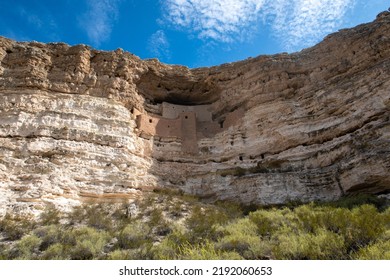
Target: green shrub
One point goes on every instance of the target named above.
(4, 251)
(27, 248)
(206, 251)
(158, 223)
(366, 225)
(377, 251)
(119, 255)
(176, 209)
(121, 216)
(270, 221)
(50, 215)
(231, 209)
(385, 215)
(56, 251)
(321, 245)
(169, 247)
(133, 235)
(311, 218)
(90, 244)
(77, 215)
(202, 223)
(98, 216)
(52, 234)
(14, 227)
(358, 226)
(241, 237)
(352, 228)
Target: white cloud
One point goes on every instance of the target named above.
(221, 20)
(295, 23)
(305, 22)
(98, 20)
(158, 45)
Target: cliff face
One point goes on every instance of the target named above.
(77, 123)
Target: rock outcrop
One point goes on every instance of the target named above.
(78, 123)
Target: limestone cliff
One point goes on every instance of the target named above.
(78, 123)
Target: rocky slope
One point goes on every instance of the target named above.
(315, 124)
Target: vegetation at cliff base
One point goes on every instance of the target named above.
(171, 226)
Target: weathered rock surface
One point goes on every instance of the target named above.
(303, 126)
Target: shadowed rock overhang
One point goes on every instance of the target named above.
(77, 123)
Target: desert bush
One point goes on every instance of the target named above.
(157, 222)
(14, 227)
(377, 251)
(146, 202)
(366, 225)
(119, 255)
(56, 251)
(98, 216)
(122, 216)
(385, 215)
(90, 243)
(359, 226)
(231, 209)
(321, 245)
(311, 218)
(205, 251)
(55, 234)
(4, 252)
(27, 248)
(176, 209)
(169, 247)
(50, 215)
(202, 223)
(77, 215)
(352, 228)
(133, 235)
(269, 221)
(241, 237)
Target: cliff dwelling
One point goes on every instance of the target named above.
(185, 123)
(313, 125)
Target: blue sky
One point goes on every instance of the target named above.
(194, 33)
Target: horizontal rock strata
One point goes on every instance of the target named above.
(78, 123)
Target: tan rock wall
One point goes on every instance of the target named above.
(74, 123)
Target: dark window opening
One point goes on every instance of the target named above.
(241, 158)
(132, 110)
(150, 120)
(186, 117)
(232, 143)
(221, 124)
(262, 156)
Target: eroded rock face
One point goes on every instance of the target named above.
(313, 125)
